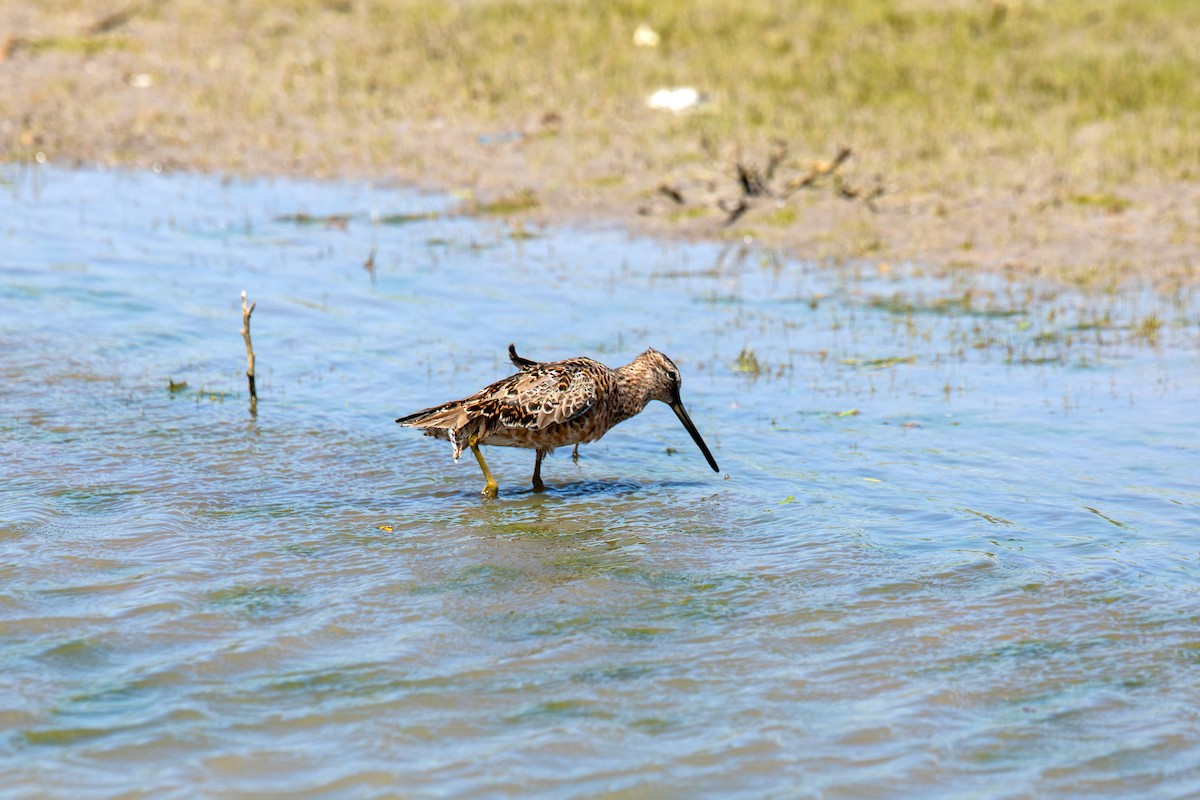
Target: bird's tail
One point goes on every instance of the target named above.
(449, 416)
(441, 422)
(518, 362)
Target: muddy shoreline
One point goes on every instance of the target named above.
(143, 93)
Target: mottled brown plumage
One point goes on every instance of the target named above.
(549, 404)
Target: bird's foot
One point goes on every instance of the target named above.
(491, 490)
(538, 486)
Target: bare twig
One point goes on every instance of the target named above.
(778, 153)
(671, 192)
(868, 196)
(734, 212)
(819, 171)
(844, 190)
(246, 312)
(116, 19)
(369, 264)
(751, 181)
(772, 181)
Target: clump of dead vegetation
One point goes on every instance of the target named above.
(746, 185)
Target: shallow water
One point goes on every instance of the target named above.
(952, 551)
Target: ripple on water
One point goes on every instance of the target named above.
(953, 548)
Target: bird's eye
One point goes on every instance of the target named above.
(673, 375)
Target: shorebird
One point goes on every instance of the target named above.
(550, 404)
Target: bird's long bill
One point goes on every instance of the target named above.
(677, 407)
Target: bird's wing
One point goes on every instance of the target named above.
(547, 395)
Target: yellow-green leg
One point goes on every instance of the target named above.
(491, 488)
(538, 486)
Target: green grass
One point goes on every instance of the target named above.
(1108, 202)
(748, 362)
(913, 83)
(83, 45)
(909, 84)
(518, 201)
(933, 96)
(1148, 328)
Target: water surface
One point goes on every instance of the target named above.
(952, 551)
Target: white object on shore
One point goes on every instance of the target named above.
(677, 99)
(645, 36)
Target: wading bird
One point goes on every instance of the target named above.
(551, 404)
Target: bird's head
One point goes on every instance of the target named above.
(661, 378)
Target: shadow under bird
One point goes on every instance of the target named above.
(549, 404)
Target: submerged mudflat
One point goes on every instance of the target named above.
(952, 547)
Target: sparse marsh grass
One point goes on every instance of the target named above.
(748, 362)
(919, 85)
(518, 201)
(938, 99)
(1113, 204)
(693, 212)
(1147, 328)
(926, 85)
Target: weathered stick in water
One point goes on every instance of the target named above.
(246, 312)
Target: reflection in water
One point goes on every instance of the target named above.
(953, 548)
